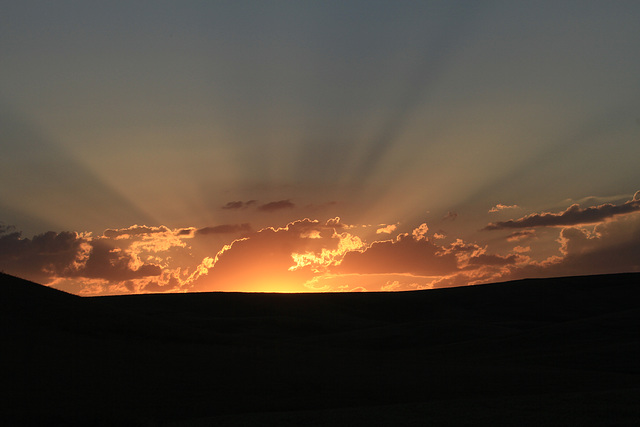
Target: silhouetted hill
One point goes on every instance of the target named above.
(560, 351)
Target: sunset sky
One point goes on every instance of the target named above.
(295, 146)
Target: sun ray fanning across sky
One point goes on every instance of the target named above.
(317, 146)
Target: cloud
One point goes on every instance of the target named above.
(597, 200)
(169, 281)
(574, 215)
(120, 260)
(145, 239)
(477, 266)
(387, 229)
(49, 256)
(42, 257)
(312, 255)
(225, 229)
(276, 206)
(405, 255)
(239, 205)
(106, 262)
(494, 260)
(611, 247)
(500, 207)
(186, 232)
(516, 236)
(420, 232)
(608, 247)
(335, 223)
(134, 230)
(157, 259)
(321, 256)
(391, 286)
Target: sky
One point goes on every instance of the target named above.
(307, 146)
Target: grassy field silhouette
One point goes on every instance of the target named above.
(561, 351)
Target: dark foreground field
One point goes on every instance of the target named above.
(529, 353)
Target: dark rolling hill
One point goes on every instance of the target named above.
(561, 351)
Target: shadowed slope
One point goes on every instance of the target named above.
(564, 347)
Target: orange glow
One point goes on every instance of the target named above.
(327, 257)
(276, 286)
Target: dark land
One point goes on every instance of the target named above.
(537, 352)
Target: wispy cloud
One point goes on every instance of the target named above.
(516, 236)
(500, 207)
(134, 230)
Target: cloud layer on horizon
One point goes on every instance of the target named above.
(313, 255)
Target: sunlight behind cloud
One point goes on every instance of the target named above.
(234, 134)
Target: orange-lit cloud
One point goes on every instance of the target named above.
(312, 255)
(52, 255)
(305, 255)
(134, 230)
(516, 236)
(320, 262)
(387, 229)
(420, 233)
(500, 207)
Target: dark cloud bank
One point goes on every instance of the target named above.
(574, 215)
